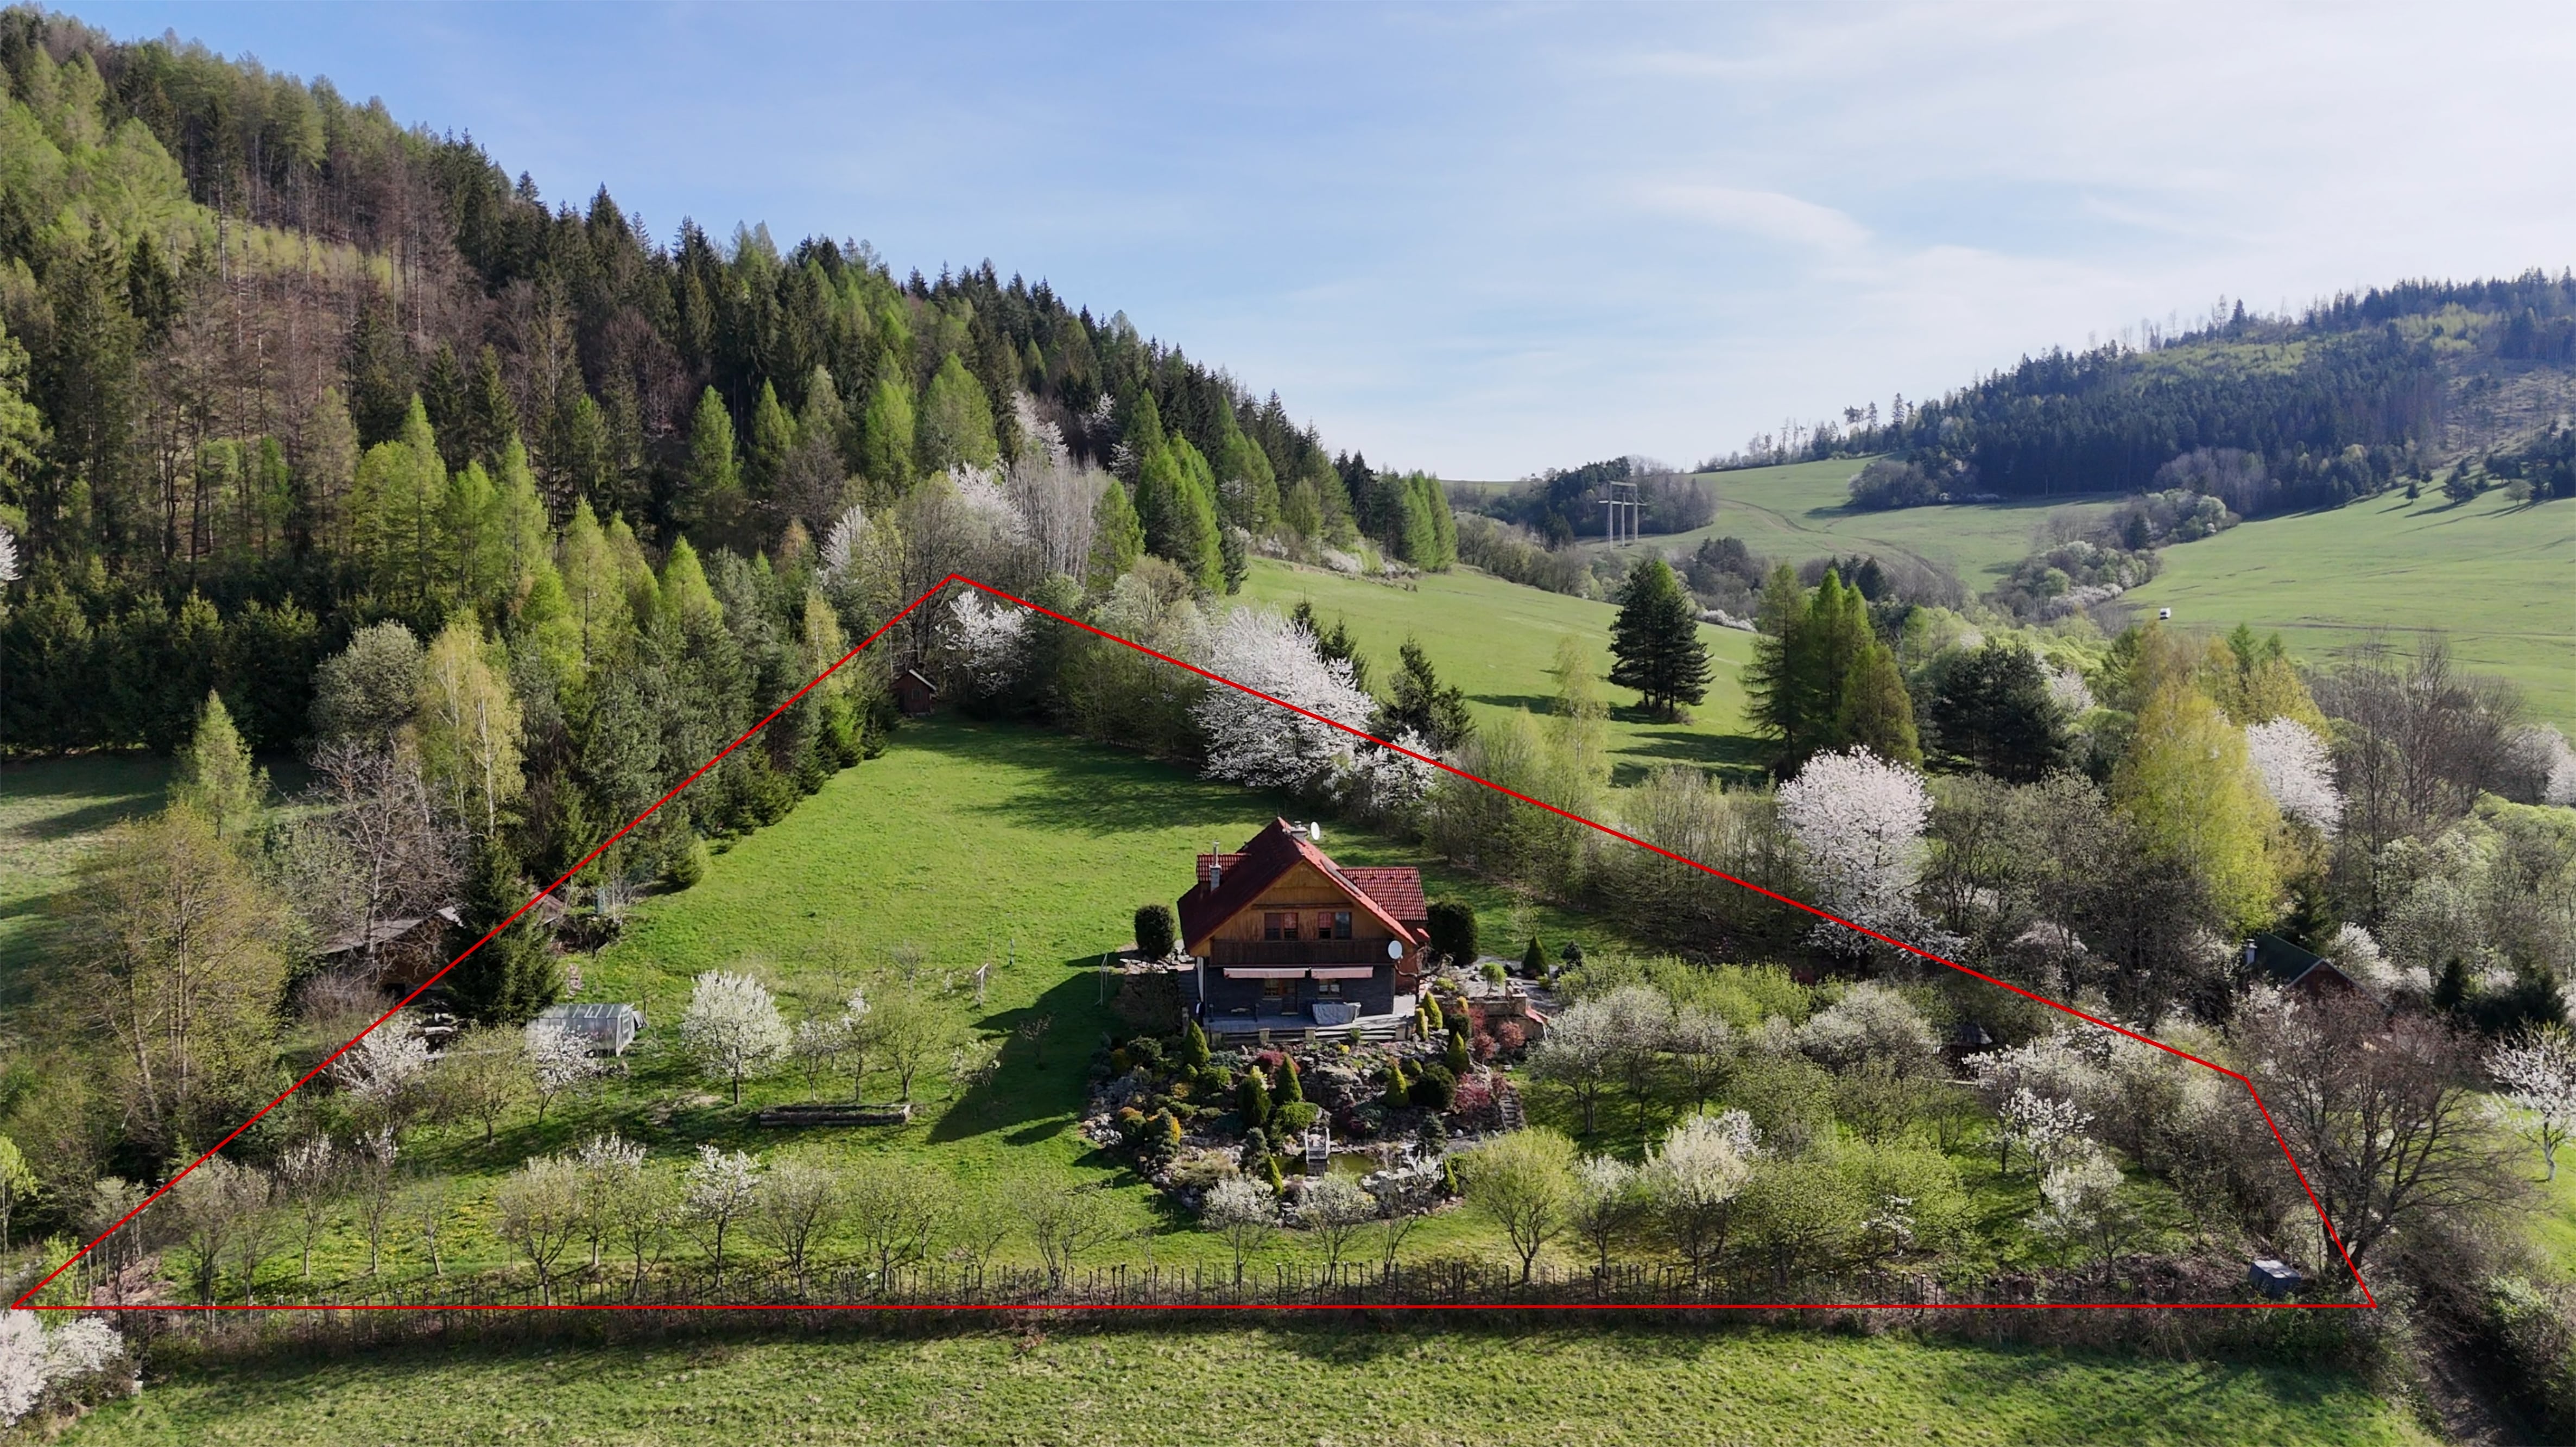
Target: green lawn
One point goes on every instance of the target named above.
(1459, 1383)
(964, 845)
(1790, 514)
(2493, 575)
(1498, 640)
(51, 812)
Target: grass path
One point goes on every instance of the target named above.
(1329, 1384)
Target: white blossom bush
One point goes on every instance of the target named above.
(1254, 742)
(2068, 690)
(1870, 1022)
(559, 1060)
(1056, 497)
(2047, 1129)
(2080, 1201)
(993, 510)
(1693, 1178)
(35, 1360)
(732, 1028)
(2536, 1074)
(8, 556)
(2544, 751)
(2297, 772)
(1857, 821)
(2356, 952)
(988, 638)
(385, 1072)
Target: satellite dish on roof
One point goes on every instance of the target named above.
(1395, 949)
(1315, 830)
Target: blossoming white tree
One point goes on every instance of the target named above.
(720, 1187)
(2081, 1208)
(2538, 1073)
(1694, 1178)
(34, 1360)
(8, 556)
(2048, 1128)
(2297, 772)
(386, 1074)
(988, 638)
(1858, 822)
(1255, 742)
(1870, 1022)
(558, 1061)
(1241, 1210)
(732, 1028)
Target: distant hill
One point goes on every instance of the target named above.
(2355, 395)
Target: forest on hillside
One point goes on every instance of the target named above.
(2360, 392)
(224, 293)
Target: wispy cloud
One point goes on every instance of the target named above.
(1771, 215)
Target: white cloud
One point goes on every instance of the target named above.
(1771, 215)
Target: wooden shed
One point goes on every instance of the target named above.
(914, 694)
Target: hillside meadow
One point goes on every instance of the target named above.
(1335, 1383)
(1498, 641)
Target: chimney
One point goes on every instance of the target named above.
(1216, 866)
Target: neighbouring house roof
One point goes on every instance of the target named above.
(387, 931)
(1390, 895)
(2291, 967)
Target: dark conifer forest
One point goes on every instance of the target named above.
(225, 293)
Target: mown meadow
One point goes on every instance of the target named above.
(1339, 1383)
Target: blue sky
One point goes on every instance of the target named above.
(1488, 241)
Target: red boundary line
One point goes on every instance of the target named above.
(2368, 1300)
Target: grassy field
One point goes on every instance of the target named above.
(2492, 574)
(1325, 1384)
(1497, 640)
(1793, 513)
(964, 845)
(51, 812)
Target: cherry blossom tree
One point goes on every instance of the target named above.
(540, 1213)
(1241, 1210)
(8, 556)
(988, 638)
(2048, 1128)
(2538, 1074)
(559, 1061)
(2297, 772)
(1858, 822)
(1870, 1022)
(732, 1028)
(720, 1187)
(2080, 1203)
(1693, 1180)
(386, 1074)
(1255, 742)
(34, 1360)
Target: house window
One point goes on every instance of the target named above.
(1333, 926)
(1278, 991)
(1328, 987)
(1279, 926)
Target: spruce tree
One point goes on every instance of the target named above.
(1437, 713)
(513, 976)
(1655, 640)
(1117, 538)
(710, 500)
(773, 436)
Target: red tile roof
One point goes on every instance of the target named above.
(1267, 857)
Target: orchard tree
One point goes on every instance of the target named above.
(2538, 1076)
(1655, 640)
(539, 1206)
(1609, 1200)
(720, 1188)
(1857, 821)
(1243, 1212)
(1524, 1183)
(732, 1028)
(1693, 1180)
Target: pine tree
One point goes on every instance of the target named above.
(1655, 640)
(1992, 712)
(492, 419)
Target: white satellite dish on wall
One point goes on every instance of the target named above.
(1395, 949)
(1315, 830)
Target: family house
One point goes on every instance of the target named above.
(1282, 938)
